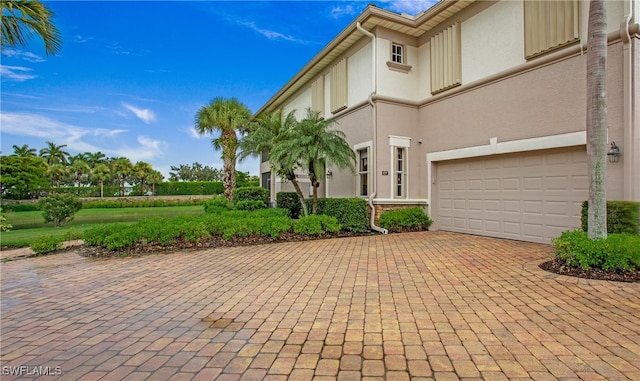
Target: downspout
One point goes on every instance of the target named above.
(374, 81)
(631, 191)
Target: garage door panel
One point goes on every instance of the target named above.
(531, 196)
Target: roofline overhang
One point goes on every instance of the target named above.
(419, 24)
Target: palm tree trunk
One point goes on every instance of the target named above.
(229, 180)
(296, 185)
(597, 119)
(101, 189)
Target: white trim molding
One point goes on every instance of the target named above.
(496, 148)
(400, 201)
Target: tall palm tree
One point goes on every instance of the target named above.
(24, 151)
(80, 168)
(228, 117)
(95, 158)
(21, 19)
(154, 178)
(54, 154)
(101, 173)
(122, 168)
(314, 147)
(597, 118)
(265, 133)
(56, 173)
(141, 171)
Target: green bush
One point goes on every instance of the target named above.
(137, 203)
(96, 236)
(217, 205)
(316, 225)
(46, 244)
(408, 219)
(4, 226)
(622, 217)
(291, 202)
(59, 208)
(617, 252)
(351, 213)
(251, 194)
(20, 207)
(250, 205)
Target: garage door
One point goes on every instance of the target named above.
(531, 196)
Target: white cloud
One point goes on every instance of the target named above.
(339, 11)
(145, 115)
(27, 56)
(77, 138)
(412, 7)
(270, 34)
(191, 131)
(16, 73)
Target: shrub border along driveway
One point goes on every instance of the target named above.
(415, 305)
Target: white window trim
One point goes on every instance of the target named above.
(394, 143)
(369, 147)
(403, 58)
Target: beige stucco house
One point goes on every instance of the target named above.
(474, 110)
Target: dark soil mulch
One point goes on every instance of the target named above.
(559, 266)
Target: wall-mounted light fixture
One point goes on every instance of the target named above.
(329, 173)
(614, 153)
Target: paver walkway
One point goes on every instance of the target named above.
(428, 305)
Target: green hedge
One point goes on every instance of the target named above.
(291, 202)
(20, 207)
(92, 191)
(176, 188)
(408, 219)
(251, 194)
(136, 203)
(616, 252)
(316, 225)
(622, 217)
(351, 213)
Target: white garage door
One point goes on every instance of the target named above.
(530, 196)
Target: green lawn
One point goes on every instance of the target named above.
(29, 225)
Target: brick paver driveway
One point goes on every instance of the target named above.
(428, 305)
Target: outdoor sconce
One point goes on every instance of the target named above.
(614, 153)
(329, 173)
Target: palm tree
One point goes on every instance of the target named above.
(141, 171)
(313, 146)
(54, 154)
(264, 134)
(597, 118)
(154, 178)
(24, 151)
(101, 173)
(80, 168)
(22, 19)
(96, 158)
(56, 173)
(122, 168)
(226, 116)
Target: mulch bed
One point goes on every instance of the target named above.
(559, 266)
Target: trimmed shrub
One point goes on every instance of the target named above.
(20, 207)
(4, 226)
(291, 202)
(622, 217)
(251, 194)
(617, 252)
(351, 213)
(59, 208)
(133, 203)
(46, 244)
(250, 205)
(316, 225)
(408, 219)
(217, 205)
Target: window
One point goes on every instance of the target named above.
(266, 180)
(397, 53)
(317, 95)
(400, 173)
(363, 172)
(264, 156)
(446, 66)
(549, 25)
(338, 77)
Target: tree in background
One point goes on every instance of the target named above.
(54, 154)
(24, 150)
(80, 169)
(141, 171)
(154, 178)
(122, 168)
(22, 19)
(21, 177)
(228, 117)
(57, 173)
(597, 118)
(100, 174)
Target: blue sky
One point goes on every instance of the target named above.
(131, 76)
